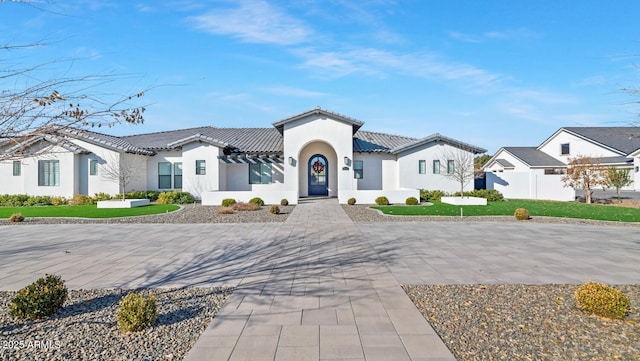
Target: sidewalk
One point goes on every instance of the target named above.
(324, 295)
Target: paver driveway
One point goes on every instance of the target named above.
(317, 287)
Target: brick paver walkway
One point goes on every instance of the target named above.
(323, 295)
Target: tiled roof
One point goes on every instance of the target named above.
(438, 138)
(623, 139)
(104, 140)
(365, 141)
(534, 157)
(245, 140)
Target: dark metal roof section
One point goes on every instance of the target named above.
(104, 140)
(235, 140)
(624, 140)
(21, 147)
(505, 163)
(534, 157)
(437, 137)
(373, 142)
(279, 125)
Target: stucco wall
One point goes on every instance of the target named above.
(237, 178)
(318, 134)
(194, 183)
(530, 185)
(409, 176)
(379, 171)
(577, 146)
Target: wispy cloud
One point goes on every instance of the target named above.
(507, 34)
(371, 61)
(254, 22)
(294, 92)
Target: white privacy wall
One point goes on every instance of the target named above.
(530, 185)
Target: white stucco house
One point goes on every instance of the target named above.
(314, 153)
(536, 172)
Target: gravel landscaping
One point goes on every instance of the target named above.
(526, 322)
(192, 213)
(86, 327)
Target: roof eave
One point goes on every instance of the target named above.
(355, 123)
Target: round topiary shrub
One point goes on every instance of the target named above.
(351, 201)
(412, 201)
(382, 201)
(602, 300)
(16, 217)
(40, 299)
(257, 200)
(228, 202)
(274, 209)
(137, 312)
(284, 202)
(521, 214)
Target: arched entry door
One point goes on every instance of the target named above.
(318, 176)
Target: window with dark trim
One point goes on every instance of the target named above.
(164, 175)
(260, 173)
(93, 167)
(201, 167)
(48, 173)
(177, 175)
(451, 164)
(436, 166)
(17, 168)
(422, 166)
(564, 149)
(358, 172)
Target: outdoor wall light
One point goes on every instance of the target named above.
(346, 161)
(290, 160)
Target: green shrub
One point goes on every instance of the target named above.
(490, 195)
(382, 201)
(150, 195)
(14, 200)
(174, 197)
(81, 200)
(16, 217)
(284, 202)
(351, 201)
(38, 201)
(602, 300)
(102, 197)
(228, 202)
(427, 195)
(521, 214)
(137, 312)
(257, 200)
(274, 209)
(411, 201)
(59, 201)
(40, 299)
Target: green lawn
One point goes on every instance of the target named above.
(507, 208)
(86, 211)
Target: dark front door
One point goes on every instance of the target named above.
(318, 176)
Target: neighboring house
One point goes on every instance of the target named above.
(536, 172)
(314, 153)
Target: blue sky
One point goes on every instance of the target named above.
(490, 73)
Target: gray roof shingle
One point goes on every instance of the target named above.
(623, 139)
(505, 163)
(366, 142)
(534, 157)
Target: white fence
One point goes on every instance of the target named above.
(526, 185)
